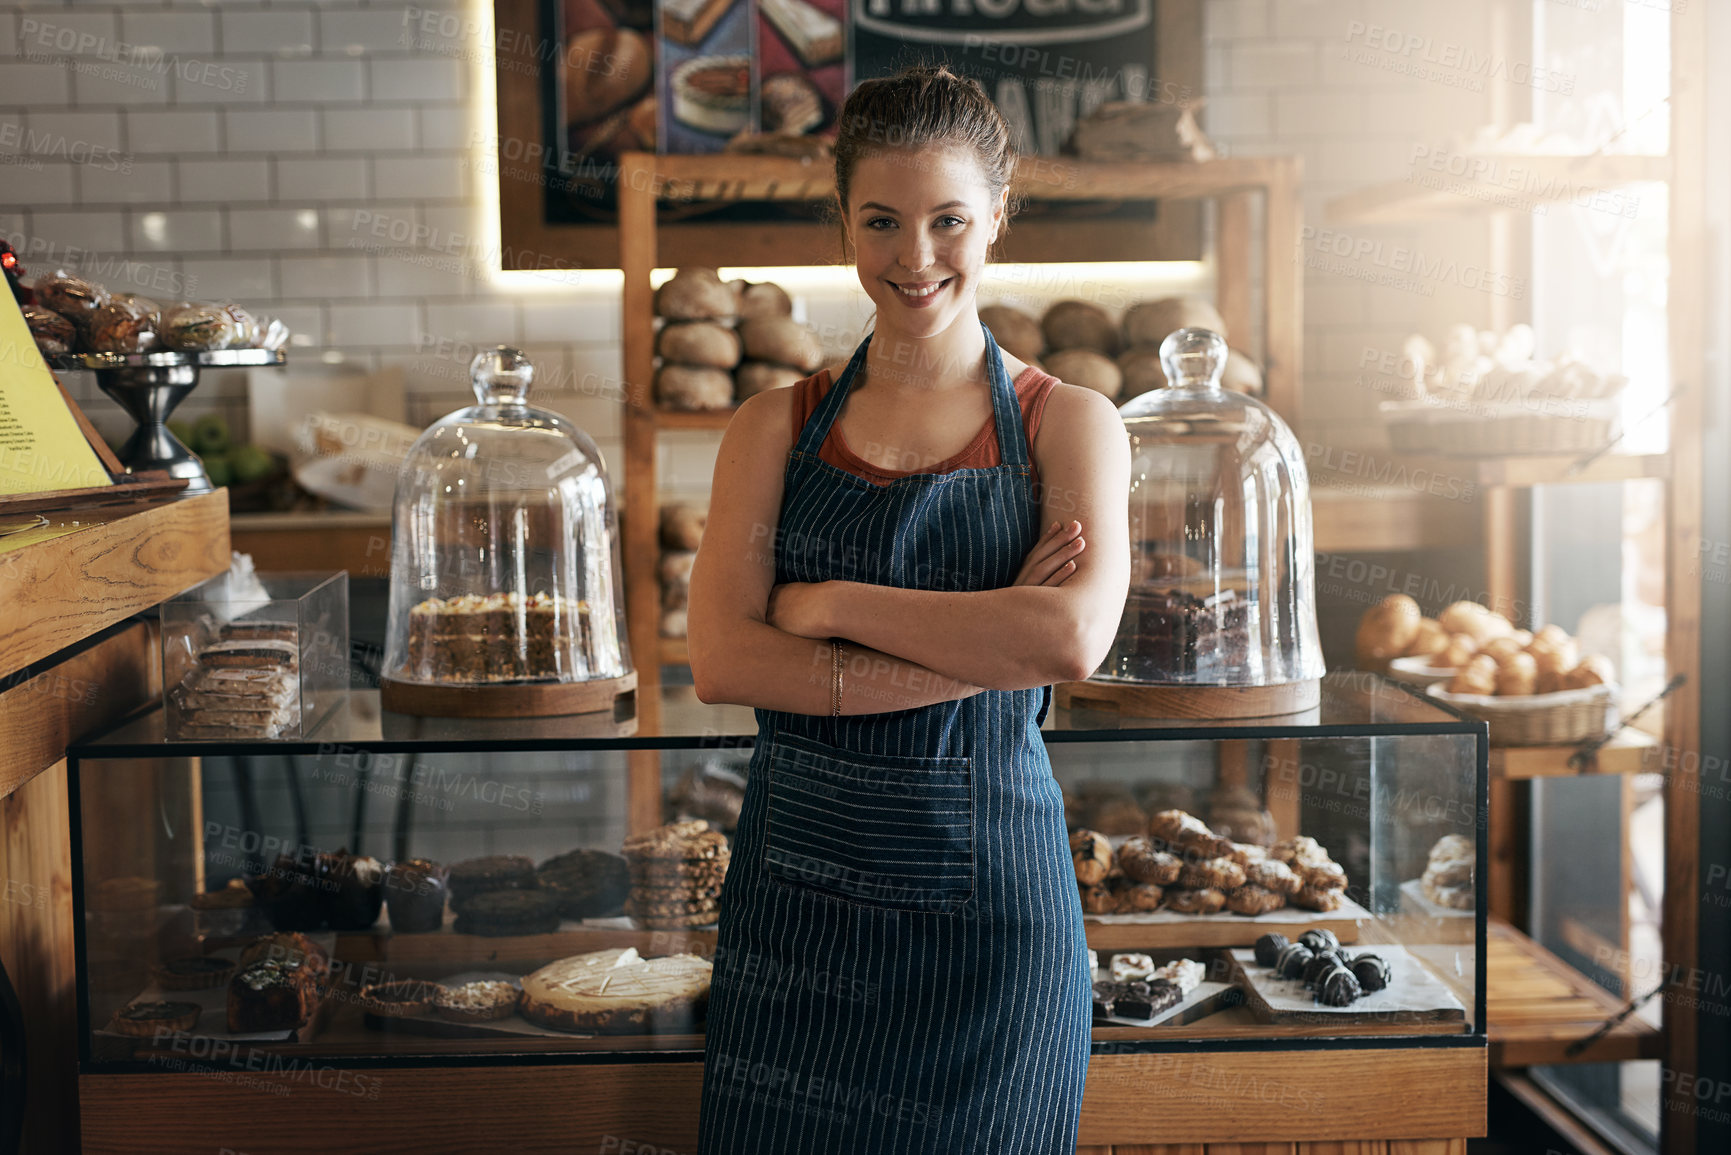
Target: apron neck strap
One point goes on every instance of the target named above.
(1006, 410)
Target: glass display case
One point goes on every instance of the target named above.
(505, 590)
(1222, 590)
(386, 895)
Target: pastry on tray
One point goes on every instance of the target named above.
(618, 992)
(483, 1001)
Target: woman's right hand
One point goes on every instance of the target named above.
(1052, 561)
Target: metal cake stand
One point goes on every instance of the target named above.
(149, 386)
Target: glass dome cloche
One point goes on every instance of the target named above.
(1221, 616)
(505, 590)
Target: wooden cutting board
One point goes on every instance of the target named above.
(1414, 996)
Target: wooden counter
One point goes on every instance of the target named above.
(71, 663)
(1282, 1102)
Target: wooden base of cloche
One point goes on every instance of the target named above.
(507, 699)
(1204, 703)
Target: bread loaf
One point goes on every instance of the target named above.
(694, 293)
(783, 341)
(1086, 368)
(1141, 369)
(1016, 332)
(754, 377)
(1151, 322)
(693, 387)
(1079, 325)
(698, 343)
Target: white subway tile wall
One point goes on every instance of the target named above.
(313, 159)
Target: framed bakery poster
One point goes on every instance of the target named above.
(582, 81)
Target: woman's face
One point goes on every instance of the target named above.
(921, 222)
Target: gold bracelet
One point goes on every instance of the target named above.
(835, 677)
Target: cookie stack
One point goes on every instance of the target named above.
(676, 873)
(245, 684)
(586, 883)
(497, 897)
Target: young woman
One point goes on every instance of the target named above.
(902, 555)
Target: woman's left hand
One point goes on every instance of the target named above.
(799, 608)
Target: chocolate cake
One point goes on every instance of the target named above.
(1174, 636)
(502, 638)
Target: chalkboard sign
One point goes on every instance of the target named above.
(1046, 63)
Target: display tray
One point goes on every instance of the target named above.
(1165, 929)
(1415, 999)
(213, 1017)
(445, 947)
(515, 1027)
(1208, 998)
(209, 359)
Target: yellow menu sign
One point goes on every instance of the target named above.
(41, 446)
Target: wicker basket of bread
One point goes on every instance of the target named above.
(1530, 688)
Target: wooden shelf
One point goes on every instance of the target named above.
(1536, 1005)
(1538, 181)
(773, 178)
(1631, 752)
(84, 572)
(1566, 469)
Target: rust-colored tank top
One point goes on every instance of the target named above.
(1032, 388)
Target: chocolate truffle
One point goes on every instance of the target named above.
(1318, 940)
(1291, 962)
(1371, 971)
(1268, 949)
(1338, 988)
(1319, 965)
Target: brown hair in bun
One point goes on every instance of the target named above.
(921, 106)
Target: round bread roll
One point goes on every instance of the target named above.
(1086, 368)
(782, 340)
(605, 69)
(1593, 671)
(754, 377)
(1502, 649)
(693, 387)
(1142, 371)
(1460, 651)
(1387, 629)
(1079, 325)
(1523, 638)
(1518, 675)
(1555, 635)
(698, 343)
(764, 299)
(694, 294)
(1478, 676)
(1151, 322)
(1551, 667)
(682, 525)
(1016, 332)
(1241, 374)
(1475, 620)
(1430, 641)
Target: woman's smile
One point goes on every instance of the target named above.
(920, 294)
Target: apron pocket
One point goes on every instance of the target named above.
(880, 830)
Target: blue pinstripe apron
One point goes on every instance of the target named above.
(901, 964)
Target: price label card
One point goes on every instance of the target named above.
(41, 446)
